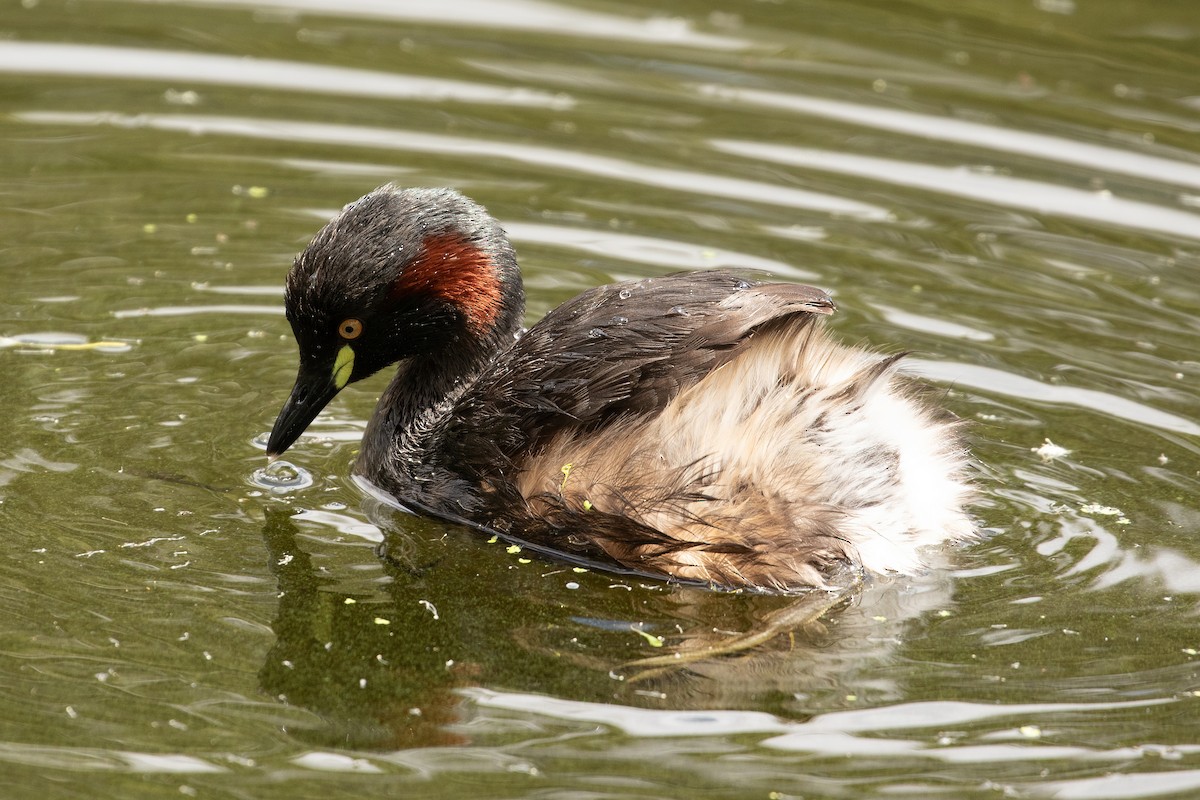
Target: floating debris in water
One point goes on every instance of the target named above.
(281, 477)
(153, 540)
(654, 641)
(1048, 451)
(256, 192)
(1095, 509)
(186, 97)
(51, 342)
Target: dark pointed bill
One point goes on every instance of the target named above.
(312, 392)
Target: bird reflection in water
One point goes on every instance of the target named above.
(384, 671)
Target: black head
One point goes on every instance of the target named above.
(398, 274)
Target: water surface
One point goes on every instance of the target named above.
(1009, 190)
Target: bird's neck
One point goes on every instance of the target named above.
(406, 427)
(403, 439)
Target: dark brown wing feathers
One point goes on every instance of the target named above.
(613, 352)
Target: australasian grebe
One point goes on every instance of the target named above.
(700, 425)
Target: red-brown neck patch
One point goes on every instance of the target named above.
(458, 272)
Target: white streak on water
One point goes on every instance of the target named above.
(555, 160)
(974, 134)
(559, 20)
(963, 181)
(183, 311)
(988, 187)
(997, 381)
(648, 250)
(840, 733)
(95, 61)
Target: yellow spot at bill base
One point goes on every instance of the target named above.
(587, 505)
(343, 366)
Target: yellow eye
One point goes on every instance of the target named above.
(350, 328)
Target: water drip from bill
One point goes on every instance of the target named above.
(282, 477)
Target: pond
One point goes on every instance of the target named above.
(1009, 190)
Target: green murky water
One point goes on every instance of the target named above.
(1011, 190)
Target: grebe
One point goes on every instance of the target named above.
(701, 426)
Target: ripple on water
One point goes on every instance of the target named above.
(281, 477)
(1028, 224)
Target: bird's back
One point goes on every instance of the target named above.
(706, 427)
